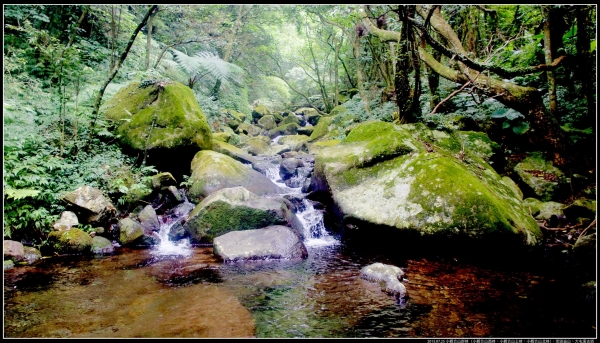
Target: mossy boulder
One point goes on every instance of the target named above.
(385, 174)
(129, 231)
(162, 181)
(221, 137)
(235, 209)
(73, 241)
(290, 119)
(322, 128)
(540, 179)
(581, 208)
(158, 117)
(510, 183)
(257, 146)
(284, 129)
(233, 152)
(212, 171)
(101, 246)
(162, 119)
(259, 111)
(306, 130)
(295, 142)
(267, 122)
(339, 109)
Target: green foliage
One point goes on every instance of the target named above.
(205, 63)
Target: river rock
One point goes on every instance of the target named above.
(388, 277)
(283, 129)
(581, 208)
(233, 152)
(295, 142)
(267, 122)
(259, 111)
(212, 171)
(236, 209)
(129, 231)
(101, 246)
(385, 174)
(257, 146)
(161, 181)
(73, 241)
(272, 242)
(67, 220)
(540, 179)
(13, 250)
(289, 167)
(148, 219)
(90, 204)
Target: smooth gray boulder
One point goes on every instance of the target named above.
(272, 242)
(90, 204)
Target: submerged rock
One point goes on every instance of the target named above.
(272, 242)
(387, 276)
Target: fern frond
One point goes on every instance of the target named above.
(207, 63)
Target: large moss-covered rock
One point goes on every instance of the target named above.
(257, 146)
(540, 178)
(158, 119)
(212, 171)
(158, 116)
(388, 175)
(235, 209)
(267, 122)
(73, 241)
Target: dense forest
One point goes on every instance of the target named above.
(523, 74)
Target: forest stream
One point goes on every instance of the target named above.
(176, 289)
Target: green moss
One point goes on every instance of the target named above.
(72, 241)
(339, 109)
(290, 119)
(286, 129)
(154, 117)
(219, 217)
(321, 128)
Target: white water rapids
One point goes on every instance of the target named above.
(315, 234)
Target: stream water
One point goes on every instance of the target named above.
(180, 290)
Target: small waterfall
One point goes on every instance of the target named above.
(315, 233)
(314, 229)
(166, 247)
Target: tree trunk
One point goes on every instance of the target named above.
(545, 132)
(115, 69)
(548, 59)
(149, 41)
(586, 76)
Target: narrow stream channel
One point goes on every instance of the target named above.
(179, 290)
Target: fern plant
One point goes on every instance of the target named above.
(205, 63)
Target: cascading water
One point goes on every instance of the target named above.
(167, 247)
(315, 233)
